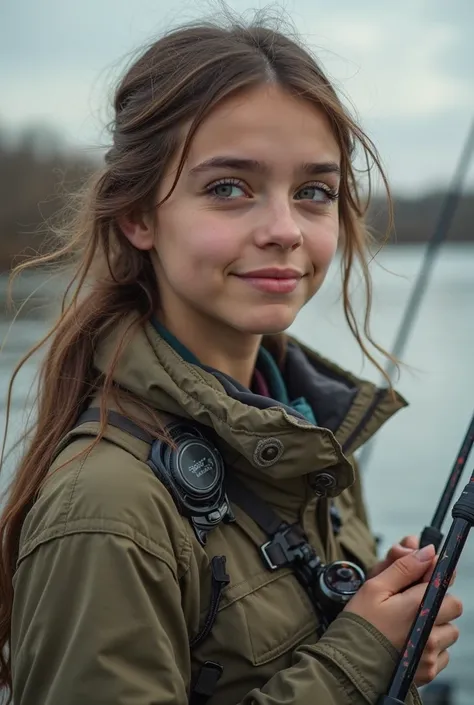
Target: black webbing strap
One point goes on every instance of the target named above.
(117, 420)
(285, 539)
(262, 514)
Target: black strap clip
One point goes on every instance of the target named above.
(206, 683)
(289, 547)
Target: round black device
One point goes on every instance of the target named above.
(197, 466)
(192, 469)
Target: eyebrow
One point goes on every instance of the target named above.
(241, 164)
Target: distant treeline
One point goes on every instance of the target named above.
(36, 172)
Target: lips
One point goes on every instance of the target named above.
(272, 273)
(273, 280)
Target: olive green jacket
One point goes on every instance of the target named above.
(112, 584)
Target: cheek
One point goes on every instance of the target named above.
(196, 241)
(211, 242)
(212, 245)
(323, 244)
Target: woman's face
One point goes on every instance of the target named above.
(250, 230)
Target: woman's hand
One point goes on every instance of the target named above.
(390, 600)
(407, 545)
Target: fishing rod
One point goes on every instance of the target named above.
(432, 533)
(463, 510)
(463, 520)
(446, 565)
(440, 233)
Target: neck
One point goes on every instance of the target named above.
(215, 345)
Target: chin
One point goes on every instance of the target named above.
(268, 322)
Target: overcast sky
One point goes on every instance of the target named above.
(406, 65)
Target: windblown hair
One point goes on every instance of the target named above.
(178, 80)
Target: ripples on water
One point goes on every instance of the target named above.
(416, 449)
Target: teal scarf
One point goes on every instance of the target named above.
(265, 364)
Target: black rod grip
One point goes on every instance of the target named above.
(431, 535)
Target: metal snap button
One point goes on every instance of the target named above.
(322, 483)
(267, 452)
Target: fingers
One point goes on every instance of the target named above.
(435, 657)
(396, 552)
(443, 660)
(404, 572)
(442, 638)
(427, 576)
(451, 608)
(411, 542)
(430, 572)
(429, 668)
(407, 544)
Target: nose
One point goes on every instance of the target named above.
(279, 228)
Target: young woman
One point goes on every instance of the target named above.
(168, 545)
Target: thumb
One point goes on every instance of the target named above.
(396, 551)
(405, 571)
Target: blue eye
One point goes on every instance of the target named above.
(226, 190)
(318, 193)
(233, 189)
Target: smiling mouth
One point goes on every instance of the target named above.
(277, 282)
(273, 273)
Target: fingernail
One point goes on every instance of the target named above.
(426, 553)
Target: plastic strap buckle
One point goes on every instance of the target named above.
(206, 683)
(288, 547)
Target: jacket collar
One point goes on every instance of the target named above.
(254, 432)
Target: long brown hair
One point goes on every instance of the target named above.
(177, 80)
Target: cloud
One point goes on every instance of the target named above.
(394, 70)
(407, 67)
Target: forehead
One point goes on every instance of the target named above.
(266, 123)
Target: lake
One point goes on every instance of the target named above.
(414, 452)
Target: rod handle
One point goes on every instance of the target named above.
(431, 535)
